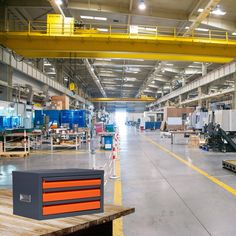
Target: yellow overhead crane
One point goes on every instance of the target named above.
(142, 99)
(59, 38)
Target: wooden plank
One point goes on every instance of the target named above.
(12, 225)
(14, 154)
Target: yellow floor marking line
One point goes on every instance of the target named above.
(213, 179)
(118, 224)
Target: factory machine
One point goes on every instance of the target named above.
(221, 131)
(198, 119)
(66, 118)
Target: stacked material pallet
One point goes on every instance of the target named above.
(194, 141)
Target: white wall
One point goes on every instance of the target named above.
(22, 79)
(132, 116)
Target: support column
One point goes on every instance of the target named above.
(234, 94)
(3, 16)
(204, 69)
(39, 64)
(180, 100)
(59, 71)
(207, 104)
(200, 96)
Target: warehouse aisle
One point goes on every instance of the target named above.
(171, 198)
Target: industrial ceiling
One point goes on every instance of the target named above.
(132, 78)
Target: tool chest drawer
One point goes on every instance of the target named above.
(47, 194)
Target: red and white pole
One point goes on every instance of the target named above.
(114, 176)
(89, 144)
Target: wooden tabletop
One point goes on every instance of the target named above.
(12, 225)
(184, 132)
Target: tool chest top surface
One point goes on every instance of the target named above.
(62, 172)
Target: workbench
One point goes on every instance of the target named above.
(61, 136)
(87, 225)
(26, 137)
(184, 132)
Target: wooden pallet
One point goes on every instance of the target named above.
(229, 164)
(14, 154)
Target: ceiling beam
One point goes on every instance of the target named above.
(202, 16)
(120, 46)
(195, 8)
(161, 13)
(157, 68)
(94, 77)
(56, 7)
(223, 24)
(143, 99)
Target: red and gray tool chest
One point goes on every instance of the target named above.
(47, 194)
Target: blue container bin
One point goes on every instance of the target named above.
(110, 128)
(152, 125)
(107, 142)
(38, 118)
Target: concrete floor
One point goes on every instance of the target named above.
(170, 197)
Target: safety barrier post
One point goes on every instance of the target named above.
(93, 153)
(114, 176)
(89, 144)
(117, 144)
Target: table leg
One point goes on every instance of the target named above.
(104, 229)
(51, 143)
(76, 142)
(4, 143)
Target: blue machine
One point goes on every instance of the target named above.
(72, 117)
(9, 122)
(38, 118)
(54, 117)
(14, 121)
(3, 123)
(63, 117)
(152, 125)
(66, 117)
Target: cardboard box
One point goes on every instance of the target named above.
(62, 102)
(194, 141)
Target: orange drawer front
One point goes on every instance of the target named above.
(73, 207)
(71, 183)
(59, 196)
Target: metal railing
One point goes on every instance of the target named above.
(69, 29)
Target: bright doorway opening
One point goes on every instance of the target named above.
(120, 119)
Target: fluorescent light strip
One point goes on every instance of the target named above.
(93, 18)
(199, 29)
(217, 11)
(102, 29)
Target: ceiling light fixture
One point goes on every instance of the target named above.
(218, 11)
(199, 29)
(59, 2)
(102, 29)
(142, 5)
(93, 18)
(103, 59)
